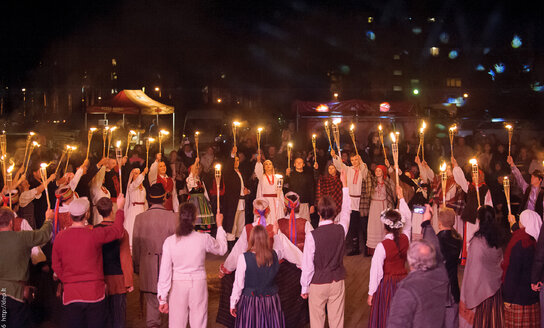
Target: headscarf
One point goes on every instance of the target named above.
(384, 170)
(292, 205)
(532, 223)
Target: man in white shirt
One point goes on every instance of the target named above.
(323, 271)
(354, 175)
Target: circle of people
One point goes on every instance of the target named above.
(285, 238)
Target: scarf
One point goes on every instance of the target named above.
(526, 242)
(292, 219)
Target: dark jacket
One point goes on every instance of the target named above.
(421, 298)
(303, 184)
(450, 247)
(516, 286)
(537, 272)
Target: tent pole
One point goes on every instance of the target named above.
(173, 131)
(158, 125)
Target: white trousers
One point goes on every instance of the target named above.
(188, 301)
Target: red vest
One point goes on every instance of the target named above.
(17, 222)
(168, 185)
(395, 257)
(269, 229)
(300, 227)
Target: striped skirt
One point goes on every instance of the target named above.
(259, 312)
(381, 300)
(488, 314)
(204, 214)
(526, 316)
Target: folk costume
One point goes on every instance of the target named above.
(469, 214)
(171, 203)
(267, 189)
(388, 266)
(135, 203)
(198, 196)
(330, 185)
(323, 271)
(521, 303)
(98, 190)
(381, 196)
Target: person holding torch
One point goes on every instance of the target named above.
(355, 174)
(477, 188)
(533, 194)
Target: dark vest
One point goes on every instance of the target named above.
(471, 207)
(27, 213)
(260, 281)
(538, 203)
(300, 226)
(329, 254)
(111, 255)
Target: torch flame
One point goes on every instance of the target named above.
(443, 167)
(106, 128)
(35, 144)
(508, 126)
(423, 125)
(164, 132)
(113, 128)
(422, 130)
(290, 145)
(218, 167)
(453, 128)
(236, 123)
(73, 148)
(118, 143)
(473, 161)
(31, 133)
(260, 129)
(132, 132)
(352, 126)
(314, 136)
(10, 168)
(151, 139)
(92, 129)
(505, 178)
(380, 127)
(336, 120)
(393, 137)
(197, 133)
(326, 123)
(43, 165)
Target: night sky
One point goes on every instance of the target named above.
(272, 44)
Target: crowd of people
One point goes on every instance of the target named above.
(72, 242)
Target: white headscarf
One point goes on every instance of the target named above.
(532, 222)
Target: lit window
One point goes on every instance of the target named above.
(434, 51)
(453, 83)
(396, 57)
(397, 72)
(113, 62)
(397, 88)
(414, 81)
(370, 19)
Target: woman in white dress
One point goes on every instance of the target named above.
(268, 189)
(136, 202)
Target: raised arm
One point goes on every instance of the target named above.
(517, 175)
(218, 245)
(259, 170)
(165, 273)
(459, 175)
(346, 204)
